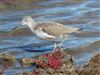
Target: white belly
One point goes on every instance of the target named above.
(42, 35)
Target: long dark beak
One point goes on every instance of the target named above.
(18, 27)
(14, 28)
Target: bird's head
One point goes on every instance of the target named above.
(28, 20)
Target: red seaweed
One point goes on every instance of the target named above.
(40, 63)
(54, 59)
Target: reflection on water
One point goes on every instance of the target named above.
(22, 43)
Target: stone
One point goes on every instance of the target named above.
(93, 67)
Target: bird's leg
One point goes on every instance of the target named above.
(62, 40)
(55, 45)
(65, 36)
(61, 43)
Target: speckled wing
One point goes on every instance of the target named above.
(54, 29)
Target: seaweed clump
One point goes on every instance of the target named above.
(54, 63)
(53, 60)
(7, 61)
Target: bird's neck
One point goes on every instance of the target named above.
(32, 26)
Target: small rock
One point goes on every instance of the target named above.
(26, 62)
(93, 67)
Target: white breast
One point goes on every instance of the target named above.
(39, 33)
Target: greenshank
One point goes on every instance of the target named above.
(48, 30)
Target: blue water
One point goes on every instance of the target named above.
(22, 43)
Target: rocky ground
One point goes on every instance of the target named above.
(54, 63)
(93, 67)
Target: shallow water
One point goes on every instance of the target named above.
(22, 43)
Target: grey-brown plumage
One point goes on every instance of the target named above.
(55, 29)
(49, 30)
